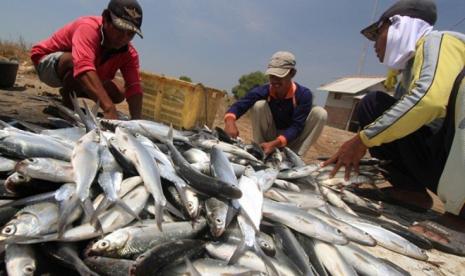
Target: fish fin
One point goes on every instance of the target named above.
(175, 211)
(66, 211)
(230, 215)
(95, 108)
(104, 205)
(170, 134)
(126, 208)
(240, 250)
(77, 109)
(90, 212)
(159, 215)
(182, 195)
(191, 268)
(92, 115)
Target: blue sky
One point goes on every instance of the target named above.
(217, 41)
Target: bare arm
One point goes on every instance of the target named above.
(91, 83)
(135, 106)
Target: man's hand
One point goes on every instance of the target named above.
(110, 113)
(269, 147)
(348, 155)
(230, 128)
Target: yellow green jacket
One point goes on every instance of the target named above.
(425, 89)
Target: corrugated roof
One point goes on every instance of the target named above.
(351, 85)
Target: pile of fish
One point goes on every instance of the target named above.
(115, 197)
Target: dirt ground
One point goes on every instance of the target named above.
(22, 102)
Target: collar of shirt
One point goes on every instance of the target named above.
(290, 94)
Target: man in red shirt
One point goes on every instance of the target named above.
(84, 56)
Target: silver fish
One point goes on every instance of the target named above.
(302, 222)
(333, 260)
(304, 199)
(131, 241)
(46, 169)
(86, 162)
(217, 212)
(20, 260)
(365, 263)
(299, 172)
(146, 168)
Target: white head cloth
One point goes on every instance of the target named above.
(402, 38)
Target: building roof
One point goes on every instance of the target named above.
(351, 85)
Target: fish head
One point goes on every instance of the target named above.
(217, 226)
(109, 244)
(14, 181)
(21, 266)
(267, 246)
(193, 207)
(8, 230)
(28, 268)
(31, 163)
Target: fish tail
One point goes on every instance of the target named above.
(170, 208)
(159, 215)
(104, 204)
(191, 268)
(66, 211)
(240, 250)
(90, 212)
(170, 134)
(126, 208)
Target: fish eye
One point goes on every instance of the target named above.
(29, 269)
(103, 244)
(218, 221)
(9, 230)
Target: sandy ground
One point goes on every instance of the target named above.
(22, 102)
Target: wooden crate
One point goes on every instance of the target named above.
(180, 103)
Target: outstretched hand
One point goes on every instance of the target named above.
(231, 129)
(268, 147)
(348, 155)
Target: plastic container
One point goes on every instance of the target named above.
(180, 103)
(8, 71)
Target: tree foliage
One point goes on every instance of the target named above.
(247, 82)
(185, 78)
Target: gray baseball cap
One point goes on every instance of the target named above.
(281, 64)
(422, 9)
(126, 15)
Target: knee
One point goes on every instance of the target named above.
(369, 98)
(259, 106)
(65, 66)
(319, 113)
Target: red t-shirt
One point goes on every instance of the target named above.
(83, 38)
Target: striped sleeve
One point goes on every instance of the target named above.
(438, 60)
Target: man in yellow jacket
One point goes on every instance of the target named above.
(416, 128)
